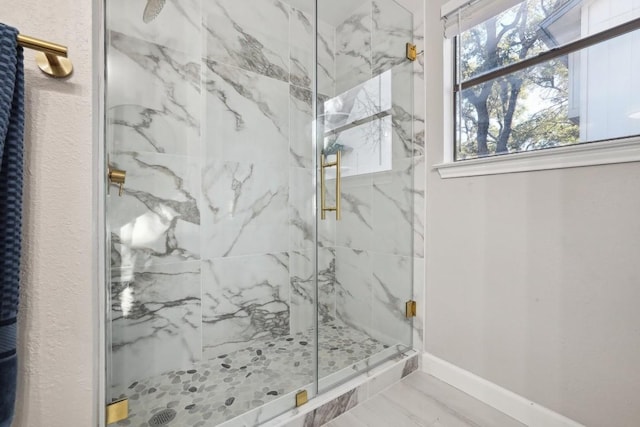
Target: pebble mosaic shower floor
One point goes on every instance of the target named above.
(220, 389)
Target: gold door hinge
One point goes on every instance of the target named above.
(301, 398)
(118, 411)
(412, 52)
(411, 308)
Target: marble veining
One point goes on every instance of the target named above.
(168, 97)
(247, 115)
(244, 299)
(390, 275)
(301, 56)
(245, 40)
(157, 220)
(244, 209)
(301, 146)
(155, 325)
(177, 27)
(328, 412)
(353, 49)
(392, 28)
(393, 197)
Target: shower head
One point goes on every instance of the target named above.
(152, 10)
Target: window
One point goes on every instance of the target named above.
(543, 73)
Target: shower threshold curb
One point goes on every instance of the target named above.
(332, 403)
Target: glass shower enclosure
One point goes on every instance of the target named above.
(259, 218)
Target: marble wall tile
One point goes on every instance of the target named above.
(353, 288)
(353, 49)
(326, 284)
(301, 34)
(177, 26)
(419, 205)
(302, 230)
(155, 325)
(326, 70)
(402, 111)
(391, 30)
(243, 299)
(157, 220)
(244, 209)
(392, 288)
(247, 116)
(152, 98)
(355, 229)
(303, 295)
(257, 41)
(301, 144)
(393, 216)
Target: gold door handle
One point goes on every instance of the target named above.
(323, 207)
(117, 177)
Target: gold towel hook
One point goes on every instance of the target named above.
(51, 57)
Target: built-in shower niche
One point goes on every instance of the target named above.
(358, 124)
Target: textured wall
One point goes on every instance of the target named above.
(532, 278)
(55, 384)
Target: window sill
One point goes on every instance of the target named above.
(589, 154)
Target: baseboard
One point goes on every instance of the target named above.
(512, 404)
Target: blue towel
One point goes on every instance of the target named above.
(11, 169)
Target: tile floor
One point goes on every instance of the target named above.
(424, 401)
(231, 384)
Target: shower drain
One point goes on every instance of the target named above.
(162, 418)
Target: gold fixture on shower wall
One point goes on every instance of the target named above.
(117, 177)
(411, 309)
(412, 52)
(323, 202)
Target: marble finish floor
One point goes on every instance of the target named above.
(424, 401)
(231, 384)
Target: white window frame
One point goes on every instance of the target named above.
(614, 151)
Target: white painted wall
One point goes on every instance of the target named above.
(56, 312)
(532, 278)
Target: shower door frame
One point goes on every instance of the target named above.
(99, 202)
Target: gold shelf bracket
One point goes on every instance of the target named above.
(51, 57)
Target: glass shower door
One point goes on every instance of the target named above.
(365, 114)
(211, 224)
